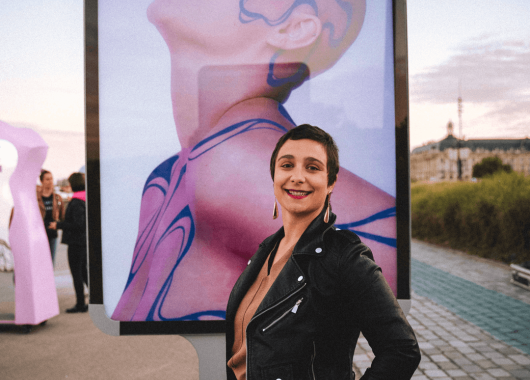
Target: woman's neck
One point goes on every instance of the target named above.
(202, 96)
(47, 192)
(295, 225)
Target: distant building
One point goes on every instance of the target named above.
(438, 161)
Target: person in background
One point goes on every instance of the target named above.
(51, 208)
(74, 235)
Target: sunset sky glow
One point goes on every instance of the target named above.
(478, 48)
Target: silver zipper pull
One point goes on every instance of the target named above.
(295, 307)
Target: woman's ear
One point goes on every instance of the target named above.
(332, 186)
(301, 29)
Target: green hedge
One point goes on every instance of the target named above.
(490, 218)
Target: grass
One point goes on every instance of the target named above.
(490, 218)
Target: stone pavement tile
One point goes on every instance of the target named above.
(520, 359)
(447, 365)
(456, 372)
(439, 358)
(471, 368)
(498, 372)
(493, 354)
(482, 376)
(466, 350)
(486, 364)
(504, 317)
(475, 357)
(454, 355)
(520, 373)
(502, 361)
(462, 361)
(427, 366)
(435, 373)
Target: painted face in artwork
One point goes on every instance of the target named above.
(316, 32)
(301, 178)
(210, 27)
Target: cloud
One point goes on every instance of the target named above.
(491, 73)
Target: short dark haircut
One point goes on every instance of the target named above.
(310, 132)
(43, 172)
(77, 182)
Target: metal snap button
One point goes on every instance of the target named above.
(318, 250)
(249, 262)
(300, 278)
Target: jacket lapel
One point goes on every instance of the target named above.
(250, 273)
(290, 279)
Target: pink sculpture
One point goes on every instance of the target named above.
(35, 293)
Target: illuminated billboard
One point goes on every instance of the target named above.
(185, 103)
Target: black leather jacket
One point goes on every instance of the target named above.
(74, 224)
(308, 324)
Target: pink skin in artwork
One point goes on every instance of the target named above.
(205, 210)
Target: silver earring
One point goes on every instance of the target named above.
(275, 210)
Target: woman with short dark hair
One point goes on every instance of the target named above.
(298, 308)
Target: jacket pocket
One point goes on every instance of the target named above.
(279, 372)
(293, 310)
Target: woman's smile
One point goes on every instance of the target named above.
(297, 194)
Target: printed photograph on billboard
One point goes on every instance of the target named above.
(192, 98)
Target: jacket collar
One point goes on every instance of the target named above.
(309, 243)
(311, 240)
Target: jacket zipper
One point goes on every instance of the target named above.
(264, 311)
(313, 360)
(293, 310)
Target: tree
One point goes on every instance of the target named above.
(488, 166)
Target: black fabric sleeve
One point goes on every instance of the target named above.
(75, 219)
(378, 316)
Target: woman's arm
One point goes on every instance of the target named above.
(379, 316)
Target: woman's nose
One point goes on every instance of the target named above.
(297, 175)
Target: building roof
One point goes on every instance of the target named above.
(486, 144)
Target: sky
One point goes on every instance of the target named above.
(41, 76)
(479, 50)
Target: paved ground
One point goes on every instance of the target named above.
(470, 321)
(70, 347)
(454, 296)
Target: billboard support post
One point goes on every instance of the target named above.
(210, 348)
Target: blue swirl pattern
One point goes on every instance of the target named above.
(388, 213)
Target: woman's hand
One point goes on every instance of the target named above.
(52, 226)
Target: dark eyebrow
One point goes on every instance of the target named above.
(289, 156)
(310, 159)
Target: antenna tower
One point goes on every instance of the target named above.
(460, 109)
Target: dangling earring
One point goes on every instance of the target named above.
(328, 208)
(275, 210)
